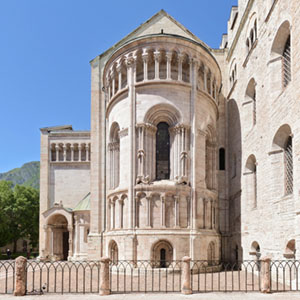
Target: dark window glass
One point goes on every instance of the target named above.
(162, 151)
(222, 159)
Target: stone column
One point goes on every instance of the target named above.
(20, 276)
(157, 56)
(86, 152)
(104, 284)
(180, 60)
(113, 214)
(169, 59)
(119, 71)
(57, 152)
(72, 152)
(64, 152)
(145, 57)
(131, 70)
(77, 241)
(121, 203)
(113, 82)
(205, 78)
(80, 152)
(186, 288)
(148, 198)
(176, 200)
(163, 211)
(70, 229)
(141, 153)
(265, 275)
(137, 212)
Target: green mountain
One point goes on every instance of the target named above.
(28, 174)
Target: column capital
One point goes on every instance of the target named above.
(157, 55)
(169, 55)
(180, 57)
(130, 60)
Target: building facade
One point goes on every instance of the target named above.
(192, 150)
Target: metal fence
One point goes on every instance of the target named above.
(7, 276)
(150, 276)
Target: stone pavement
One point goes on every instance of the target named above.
(165, 296)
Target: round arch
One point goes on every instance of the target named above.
(162, 253)
(163, 113)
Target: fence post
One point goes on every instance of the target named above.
(265, 275)
(186, 276)
(104, 276)
(20, 276)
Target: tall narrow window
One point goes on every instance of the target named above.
(162, 151)
(221, 159)
(286, 62)
(288, 161)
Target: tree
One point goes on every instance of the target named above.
(6, 202)
(19, 214)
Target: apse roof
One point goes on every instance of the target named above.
(160, 23)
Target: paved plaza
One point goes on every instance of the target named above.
(207, 296)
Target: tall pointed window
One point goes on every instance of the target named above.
(286, 62)
(162, 151)
(288, 162)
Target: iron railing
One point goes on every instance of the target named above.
(62, 277)
(150, 276)
(215, 276)
(7, 276)
(285, 275)
(145, 276)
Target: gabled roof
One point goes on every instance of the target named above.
(161, 22)
(83, 204)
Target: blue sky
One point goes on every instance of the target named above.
(46, 46)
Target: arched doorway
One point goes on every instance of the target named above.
(162, 254)
(59, 239)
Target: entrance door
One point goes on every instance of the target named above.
(65, 244)
(163, 258)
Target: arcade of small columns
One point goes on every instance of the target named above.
(158, 64)
(174, 212)
(70, 152)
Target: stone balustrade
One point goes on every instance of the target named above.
(70, 152)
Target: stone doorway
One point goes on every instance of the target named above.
(162, 254)
(58, 237)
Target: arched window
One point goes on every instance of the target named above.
(283, 154)
(249, 105)
(288, 164)
(162, 151)
(286, 62)
(290, 250)
(221, 159)
(162, 254)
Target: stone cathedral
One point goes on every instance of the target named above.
(192, 150)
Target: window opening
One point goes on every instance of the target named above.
(162, 151)
(221, 159)
(288, 157)
(286, 61)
